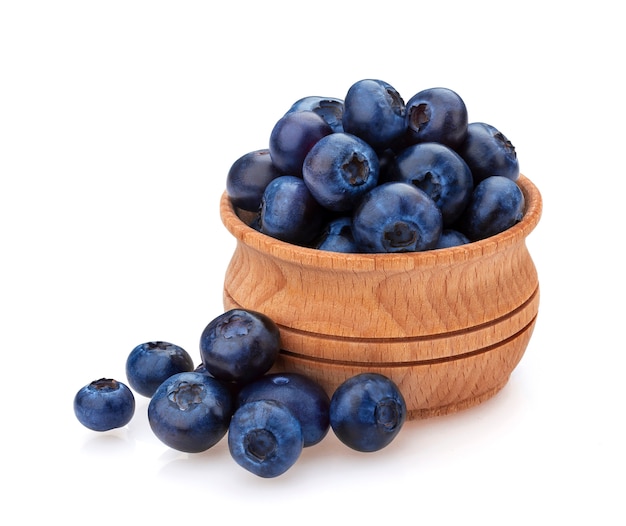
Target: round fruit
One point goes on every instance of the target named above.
(497, 203)
(292, 137)
(488, 152)
(304, 397)
(440, 172)
(328, 108)
(265, 438)
(436, 115)
(338, 236)
(149, 364)
(190, 412)
(289, 211)
(339, 170)
(397, 217)
(451, 238)
(248, 177)
(374, 111)
(239, 345)
(367, 412)
(104, 404)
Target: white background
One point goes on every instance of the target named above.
(118, 123)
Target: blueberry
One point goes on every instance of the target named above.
(151, 363)
(329, 108)
(265, 438)
(104, 404)
(436, 115)
(289, 211)
(397, 217)
(247, 178)
(497, 203)
(303, 396)
(239, 345)
(367, 412)
(440, 172)
(200, 368)
(293, 135)
(190, 412)
(231, 386)
(339, 170)
(375, 112)
(338, 236)
(386, 161)
(488, 152)
(451, 238)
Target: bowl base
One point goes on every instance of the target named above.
(419, 414)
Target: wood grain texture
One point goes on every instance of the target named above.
(448, 326)
(431, 387)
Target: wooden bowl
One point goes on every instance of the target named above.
(447, 326)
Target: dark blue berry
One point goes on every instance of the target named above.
(339, 170)
(231, 386)
(440, 172)
(289, 211)
(190, 412)
(302, 395)
(488, 152)
(397, 217)
(104, 404)
(149, 364)
(239, 345)
(338, 236)
(292, 137)
(436, 115)
(375, 112)
(451, 238)
(329, 108)
(248, 177)
(497, 203)
(367, 412)
(265, 438)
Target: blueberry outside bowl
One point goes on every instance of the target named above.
(447, 326)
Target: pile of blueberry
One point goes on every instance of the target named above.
(268, 417)
(370, 173)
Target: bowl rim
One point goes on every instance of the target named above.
(313, 257)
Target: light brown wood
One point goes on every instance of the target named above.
(448, 326)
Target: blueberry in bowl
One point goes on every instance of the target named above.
(338, 236)
(436, 115)
(496, 204)
(451, 238)
(397, 217)
(248, 177)
(375, 112)
(329, 108)
(440, 172)
(339, 170)
(487, 151)
(290, 212)
(291, 138)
